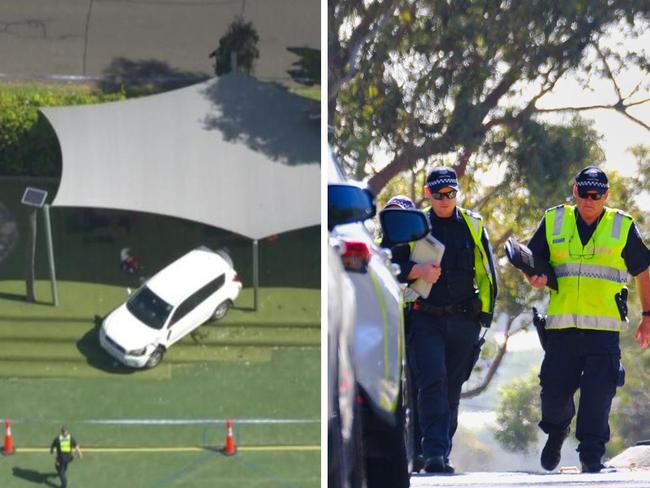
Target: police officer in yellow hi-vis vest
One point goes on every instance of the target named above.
(444, 327)
(65, 446)
(592, 249)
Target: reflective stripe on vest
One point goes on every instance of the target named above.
(588, 276)
(482, 272)
(65, 443)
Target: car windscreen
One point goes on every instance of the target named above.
(149, 308)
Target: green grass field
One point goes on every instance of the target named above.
(146, 470)
(252, 366)
(261, 368)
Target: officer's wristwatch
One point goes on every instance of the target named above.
(646, 313)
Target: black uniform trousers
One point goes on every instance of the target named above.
(61, 466)
(587, 360)
(440, 354)
(415, 446)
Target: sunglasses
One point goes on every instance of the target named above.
(593, 196)
(450, 195)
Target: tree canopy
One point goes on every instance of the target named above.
(424, 80)
(240, 39)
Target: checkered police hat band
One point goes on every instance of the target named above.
(592, 184)
(442, 182)
(401, 202)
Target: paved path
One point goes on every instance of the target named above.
(95, 38)
(621, 478)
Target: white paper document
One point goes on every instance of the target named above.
(426, 250)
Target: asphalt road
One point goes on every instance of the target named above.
(620, 478)
(97, 38)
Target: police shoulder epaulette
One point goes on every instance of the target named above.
(554, 208)
(473, 214)
(624, 214)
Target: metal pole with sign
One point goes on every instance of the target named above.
(35, 198)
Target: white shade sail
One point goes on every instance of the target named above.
(233, 152)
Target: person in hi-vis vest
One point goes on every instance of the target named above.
(592, 249)
(443, 338)
(66, 446)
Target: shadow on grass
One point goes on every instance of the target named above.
(17, 297)
(36, 318)
(95, 356)
(34, 476)
(243, 309)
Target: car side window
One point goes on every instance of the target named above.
(196, 298)
(208, 289)
(213, 286)
(183, 309)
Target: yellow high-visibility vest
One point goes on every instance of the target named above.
(65, 443)
(588, 276)
(482, 272)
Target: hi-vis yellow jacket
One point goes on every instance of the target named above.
(65, 442)
(588, 276)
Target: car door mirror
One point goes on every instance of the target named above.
(400, 226)
(347, 203)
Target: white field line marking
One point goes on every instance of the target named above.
(261, 421)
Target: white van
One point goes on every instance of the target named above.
(196, 287)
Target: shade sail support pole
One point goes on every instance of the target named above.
(256, 272)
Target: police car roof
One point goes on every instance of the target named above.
(187, 274)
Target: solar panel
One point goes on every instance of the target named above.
(34, 197)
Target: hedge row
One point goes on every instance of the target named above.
(28, 144)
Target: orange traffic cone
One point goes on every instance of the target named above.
(229, 449)
(9, 442)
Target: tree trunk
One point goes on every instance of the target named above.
(30, 275)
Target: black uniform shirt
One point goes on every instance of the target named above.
(456, 282)
(635, 253)
(57, 445)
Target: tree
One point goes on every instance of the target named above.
(518, 411)
(421, 80)
(241, 39)
(306, 70)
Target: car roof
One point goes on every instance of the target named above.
(187, 274)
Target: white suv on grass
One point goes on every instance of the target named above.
(196, 287)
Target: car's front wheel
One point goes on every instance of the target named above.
(155, 357)
(221, 310)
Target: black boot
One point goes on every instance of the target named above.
(450, 467)
(591, 464)
(418, 463)
(437, 464)
(552, 450)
